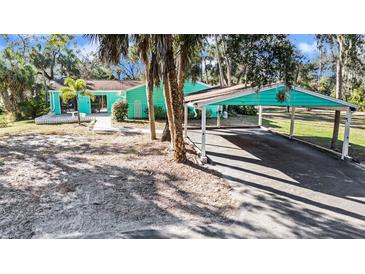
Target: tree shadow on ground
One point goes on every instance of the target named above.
(313, 169)
(66, 194)
(310, 170)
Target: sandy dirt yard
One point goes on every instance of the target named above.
(74, 185)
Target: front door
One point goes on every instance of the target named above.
(99, 105)
(137, 109)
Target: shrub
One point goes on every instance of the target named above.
(33, 107)
(120, 110)
(244, 110)
(160, 113)
(358, 98)
(191, 114)
(3, 122)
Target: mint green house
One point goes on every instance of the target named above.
(107, 92)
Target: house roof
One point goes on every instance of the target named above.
(242, 94)
(213, 92)
(103, 84)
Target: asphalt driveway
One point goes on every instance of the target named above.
(285, 189)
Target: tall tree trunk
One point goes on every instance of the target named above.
(177, 98)
(320, 68)
(151, 110)
(170, 116)
(205, 70)
(336, 123)
(201, 70)
(166, 133)
(218, 56)
(228, 61)
(9, 102)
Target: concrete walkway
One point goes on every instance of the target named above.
(104, 124)
(285, 189)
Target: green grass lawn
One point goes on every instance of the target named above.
(29, 127)
(316, 127)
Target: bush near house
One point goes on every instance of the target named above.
(3, 121)
(120, 111)
(358, 98)
(160, 112)
(243, 110)
(33, 107)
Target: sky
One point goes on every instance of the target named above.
(304, 42)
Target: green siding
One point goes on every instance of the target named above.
(84, 101)
(137, 97)
(269, 98)
(84, 104)
(55, 102)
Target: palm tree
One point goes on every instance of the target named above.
(147, 51)
(73, 89)
(184, 47)
(187, 46)
(158, 53)
(113, 46)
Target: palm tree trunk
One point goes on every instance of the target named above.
(336, 122)
(170, 116)
(166, 133)
(177, 98)
(217, 53)
(151, 110)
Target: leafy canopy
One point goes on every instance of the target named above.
(74, 88)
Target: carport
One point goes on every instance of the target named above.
(269, 95)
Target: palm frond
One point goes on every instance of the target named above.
(88, 93)
(67, 94)
(111, 46)
(80, 85)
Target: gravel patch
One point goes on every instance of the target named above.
(55, 186)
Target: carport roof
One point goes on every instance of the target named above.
(245, 95)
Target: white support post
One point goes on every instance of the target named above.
(346, 138)
(219, 116)
(292, 122)
(185, 120)
(204, 121)
(260, 116)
